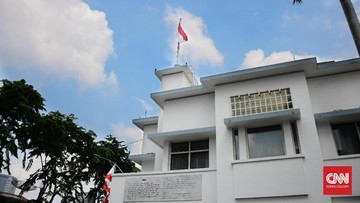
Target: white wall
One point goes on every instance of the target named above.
(328, 94)
(174, 81)
(327, 142)
(233, 180)
(270, 178)
(309, 141)
(335, 92)
(149, 146)
(148, 166)
(189, 113)
(331, 158)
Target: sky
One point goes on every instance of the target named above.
(96, 58)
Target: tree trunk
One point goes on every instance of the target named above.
(353, 21)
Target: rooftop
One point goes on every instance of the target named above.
(309, 66)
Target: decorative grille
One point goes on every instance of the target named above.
(261, 102)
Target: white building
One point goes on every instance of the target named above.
(255, 135)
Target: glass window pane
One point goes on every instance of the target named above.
(346, 138)
(199, 160)
(179, 161)
(236, 144)
(265, 142)
(184, 158)
(199, 145)
(180, 147)
(263, 129)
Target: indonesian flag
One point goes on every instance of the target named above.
(182, 35)
(107, 184)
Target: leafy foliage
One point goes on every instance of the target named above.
(20, 106)
(108, 149)
(65, 151)
(68, 153)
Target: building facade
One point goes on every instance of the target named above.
(255, 135)
(5, 184)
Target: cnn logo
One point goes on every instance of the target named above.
(334, 178)
(337, 180)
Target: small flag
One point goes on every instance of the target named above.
(107, 184)
(182, 35)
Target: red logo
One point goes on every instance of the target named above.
(337, 180)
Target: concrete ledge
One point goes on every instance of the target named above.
(160, 97)
(139, 158)
(338, 115)
(181, 135)
(273, 158)
(342, 157)
(142, 122)
(263, 119)
(170, 172)
(273, 197)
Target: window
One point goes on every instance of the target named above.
(185, 155)
(261, 102)
(295, 137)
(346, 136)
(265, 141)
(235, 133)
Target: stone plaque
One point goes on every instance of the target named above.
(163, 188)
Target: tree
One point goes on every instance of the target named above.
(351, 18)
(67, 152)
(108, 150)
(353, 21)
(20, 107)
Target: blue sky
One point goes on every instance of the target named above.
(96, 58)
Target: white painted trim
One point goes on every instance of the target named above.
(273, 158)
(172, 172)
(340, 157)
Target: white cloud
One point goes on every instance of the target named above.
(63, 39)
(148, 108)
(112, 79)
(129, 135)
(200, 49)
(255, 58)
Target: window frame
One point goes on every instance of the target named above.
(189, 152)
(295, 137)
(356, 123)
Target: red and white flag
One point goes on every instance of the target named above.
(182, 35)
(107, 184)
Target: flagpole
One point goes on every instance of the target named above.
(111, 162)
(178, 48)
(183, 37)
(177, 53)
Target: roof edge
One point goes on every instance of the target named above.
(205, 79)
(142, 122)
